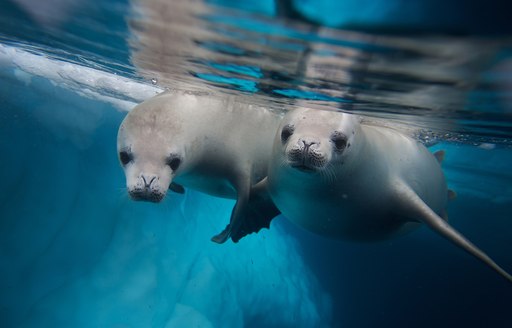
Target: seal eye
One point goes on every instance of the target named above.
(125, 157)
(339, 140)
(174, 162)
(286, 132)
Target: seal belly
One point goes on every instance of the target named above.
(214, 186)
(339, 212)
(347, 222)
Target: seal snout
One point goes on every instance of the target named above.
(147, 188)
(147, 184)
(306, 155)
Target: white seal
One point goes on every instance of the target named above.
(339, 178)
(218, 146)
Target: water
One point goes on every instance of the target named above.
(75, 251)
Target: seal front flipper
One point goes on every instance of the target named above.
(411, 203)
(439, 155)
(235, 222)
(236, 216)
(259, 213)
(177, 188)
(249, 215)
(222, 237)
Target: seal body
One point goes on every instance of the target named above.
(218, 146)
(350, 196)
(336, 177)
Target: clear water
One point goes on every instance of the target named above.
(76, 252)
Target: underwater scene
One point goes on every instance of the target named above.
(271, 163)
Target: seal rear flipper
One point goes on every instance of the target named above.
(412, 204)
(260, 211)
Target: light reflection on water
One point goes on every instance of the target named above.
(449, 87)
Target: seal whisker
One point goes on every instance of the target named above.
(329, 174)
(283, 162)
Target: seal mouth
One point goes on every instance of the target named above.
(304, 168)
(306, 160)
(146, 196)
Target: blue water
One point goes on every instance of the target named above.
(75, 251)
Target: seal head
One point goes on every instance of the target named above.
(311, 144)
(215, 145)
(150, 162)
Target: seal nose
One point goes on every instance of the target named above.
(148, 180)
(147, 188)
(308, 142)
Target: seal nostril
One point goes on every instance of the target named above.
(308, 143)
(150, 178)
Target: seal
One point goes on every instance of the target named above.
(216, 145)
(337, 177)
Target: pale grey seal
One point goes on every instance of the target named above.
(339, 178)
(216, 145)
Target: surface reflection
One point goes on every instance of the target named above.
(424, 79)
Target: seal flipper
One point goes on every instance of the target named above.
(177, 188)
(261, 210)
(417, 208)
(237, 215)
(249, 216)
(439, 155)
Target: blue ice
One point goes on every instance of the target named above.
(76, 252)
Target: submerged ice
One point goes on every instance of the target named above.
(76, 252)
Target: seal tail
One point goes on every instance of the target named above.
(419, 210)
